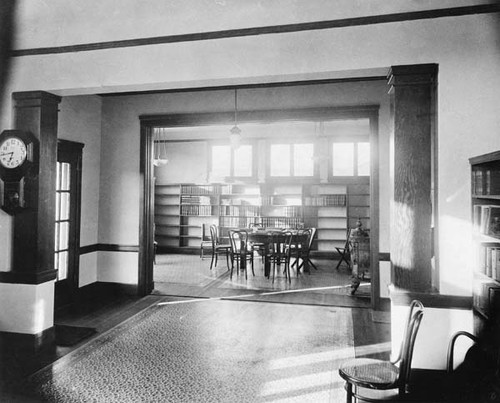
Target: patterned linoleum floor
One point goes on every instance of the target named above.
(188, 275)
(209, 351)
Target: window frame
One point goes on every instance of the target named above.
(292, 142)
(355, 141)
(231, 176)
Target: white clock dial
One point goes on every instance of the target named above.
(12, 152)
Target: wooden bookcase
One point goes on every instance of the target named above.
(181, 209)
(485, 181)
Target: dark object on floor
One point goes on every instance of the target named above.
(477, 377)
(67, 336)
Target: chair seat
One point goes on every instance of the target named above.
(223, 247)
(367, 372)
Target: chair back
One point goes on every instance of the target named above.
(205, 233)
(239, 240)
(213, 235)
(310, 239)
(408, 342)
(280, 244)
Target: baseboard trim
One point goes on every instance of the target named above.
(28, 342)
(108, 247)
(99, 288)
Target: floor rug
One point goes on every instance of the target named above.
(67, 336)
(209, 351)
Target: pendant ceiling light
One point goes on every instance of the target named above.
(235, 132)
(159, 148)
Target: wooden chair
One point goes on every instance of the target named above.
(304, 249)
(279, 252)
(345, 252)
(376, 374)
(217, 247)
(241, 251)
(206, 239)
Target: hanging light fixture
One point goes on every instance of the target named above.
(159, 149)
(235, 132)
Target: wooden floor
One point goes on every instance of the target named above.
(188, 275)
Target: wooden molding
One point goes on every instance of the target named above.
(105, 247)
(402, 297)
(28, 342)
(266, 30)
(31, 277)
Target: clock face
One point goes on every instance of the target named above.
(12, 152)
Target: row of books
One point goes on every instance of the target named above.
(272, 222)
(327, 200)
(235, 222)
(490, 261)
(251, 211)
(196, 210)
(199, 189)
(485, 182)
(487, 220)
(190, 199)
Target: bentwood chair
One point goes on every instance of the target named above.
(345, 252)
(368, 373)
(279, 252)
(217, 247)
(304, 249)
(241, 252)
(206, 239)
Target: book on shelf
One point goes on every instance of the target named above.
(489, 264)
(488, 219)
(477, 182)
(492, 182)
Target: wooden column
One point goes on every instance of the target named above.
(33, 257)
(413, 112)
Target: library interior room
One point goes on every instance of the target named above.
(247, 201)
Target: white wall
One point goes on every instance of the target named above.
(80, 120)
(466, 49)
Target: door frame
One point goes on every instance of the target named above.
(75, 152)
(149, 122)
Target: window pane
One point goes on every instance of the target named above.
(56, 236)
(63, 235)
(280, 160)
(303, 164)
(62, 266)
(221, 161)
(64, 212)
(364, 159)
(58, 205)
(65, 176)
(243, 161)
(343, 159)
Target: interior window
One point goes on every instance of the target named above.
(343, 159)
(229, 162)
(221, 161)
(351, 158)
(280, 160)
(292, 159)
(243, 161)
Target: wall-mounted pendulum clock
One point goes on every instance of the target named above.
(16, 159)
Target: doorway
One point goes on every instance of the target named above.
(67, 221)
(150, 123)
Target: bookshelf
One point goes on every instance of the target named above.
(181, 209)
(485, 191)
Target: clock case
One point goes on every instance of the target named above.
(13, 197)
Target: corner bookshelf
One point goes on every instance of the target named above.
(485, 190)
(167, 202)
